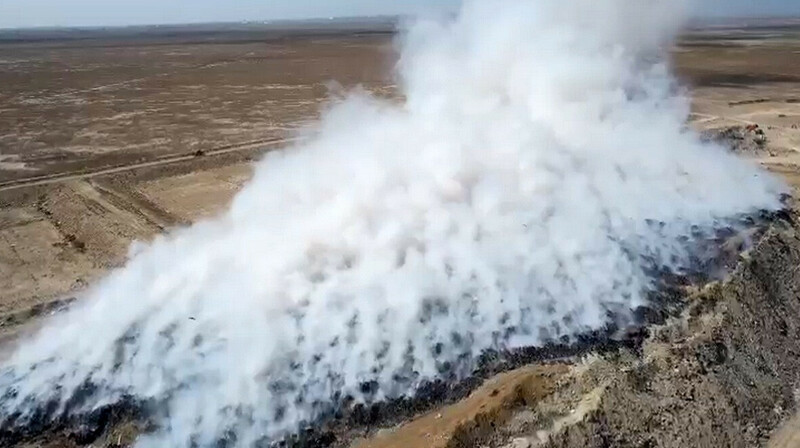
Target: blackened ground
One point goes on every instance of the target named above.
(346, 420)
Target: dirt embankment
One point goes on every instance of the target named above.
(725, 373)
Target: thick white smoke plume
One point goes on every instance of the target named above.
(540, 162)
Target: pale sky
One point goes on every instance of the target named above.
(31, 13)
(745, 8)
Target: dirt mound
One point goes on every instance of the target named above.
(724, 375)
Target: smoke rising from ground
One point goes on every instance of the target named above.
(538, 168)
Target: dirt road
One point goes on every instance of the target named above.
(263, 145)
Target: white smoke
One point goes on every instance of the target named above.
(511, 199)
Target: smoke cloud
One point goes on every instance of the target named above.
(539, 165)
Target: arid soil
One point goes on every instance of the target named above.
(109, 139)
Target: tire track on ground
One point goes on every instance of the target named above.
(135, 203)
(165, 160)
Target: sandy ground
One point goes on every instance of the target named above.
(109, 141)
(739, 78)
(74, 106)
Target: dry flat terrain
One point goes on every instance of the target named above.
(746, 76)
(109, 137)
(112, 136)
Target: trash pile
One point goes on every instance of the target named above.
(749, 139)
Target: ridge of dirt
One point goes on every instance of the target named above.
(476, 416)
(724, 374)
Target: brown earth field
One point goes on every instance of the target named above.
(109, 137)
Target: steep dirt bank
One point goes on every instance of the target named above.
(723, 374)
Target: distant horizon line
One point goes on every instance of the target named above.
(207, 23)
(381, 17)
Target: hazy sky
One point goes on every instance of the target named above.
(745, 8)
(28, 13)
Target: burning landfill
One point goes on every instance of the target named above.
(534, 188)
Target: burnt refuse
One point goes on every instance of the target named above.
(343, 417)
